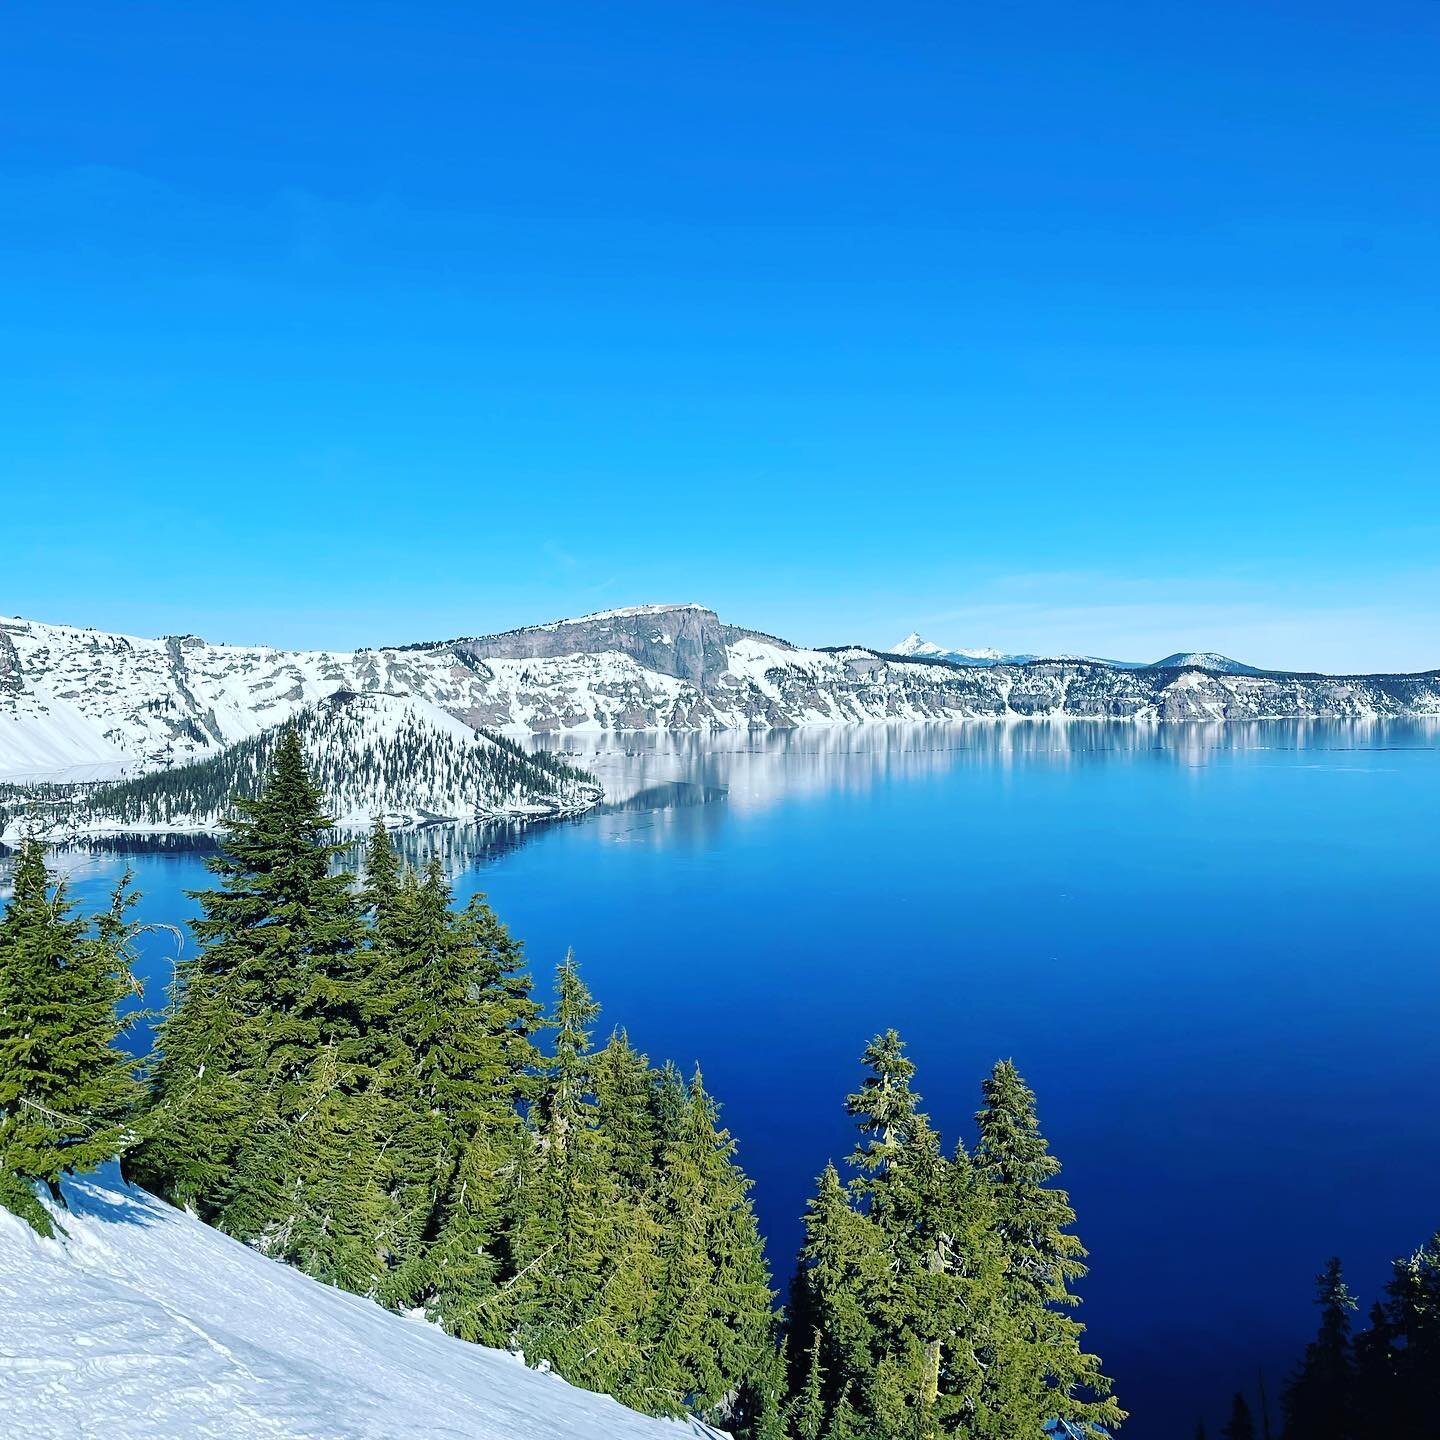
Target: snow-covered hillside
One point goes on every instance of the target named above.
(145, 1324)
(1205, 660)
(71, 697)
(372, 754)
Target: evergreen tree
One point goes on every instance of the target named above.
(807, 1411)
(900, 1276)
(625, 1096)
(562, 1216)
(1241, 1424)
(1412, 1330)
(1056, 1377)
(1376, 1402)
(463, 1017)
(1319, 1402)
(381, 873)
(280, 974)
(714, 1297)
(67, 1094)
(844, 1273)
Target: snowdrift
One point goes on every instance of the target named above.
(145, 1324)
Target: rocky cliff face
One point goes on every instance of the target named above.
(685, 642)
(74, 697)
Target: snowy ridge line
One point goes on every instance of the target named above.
(72, 697)
(143, 1323)
(373, 755)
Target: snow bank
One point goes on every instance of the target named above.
(147, 1325)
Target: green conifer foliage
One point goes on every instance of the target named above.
(626, 1101)
(1411, 1332)
(1319, 1401)
(931, 1286)
(1041, 1371)
(67, 1095)
(280, 974)
(714, 1294)
(348, 1080)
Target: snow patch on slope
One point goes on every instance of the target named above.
(145, 1324)
(372, 754)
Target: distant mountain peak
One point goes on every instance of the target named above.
(1205, 660)
(916, 644)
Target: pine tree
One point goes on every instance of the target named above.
(67, 1094)
(625, 1098)
(380, 893)
(1412, 1328)
(716, 1341)
(1319, 1401)
(1241, 1424)
(1376, 1401)
(280, 974)
(1047, 1374)
(900, 1272)
(559, 1220)
(464, 1016)
(807, 1411)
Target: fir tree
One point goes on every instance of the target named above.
(1412, 1333)
(1047, 1373)
(716, 1338)
(463, 1017)
(1241, 1424)
(900, 1272)
(67, 1094)
(280, 974)
(380, 893)
(1319, 1402)
(625, 1097)
(807, 1411)
(561, 1217)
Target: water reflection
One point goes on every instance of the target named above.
(676, 787)
(758, 769)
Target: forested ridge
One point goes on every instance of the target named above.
(354, 1076)
(394, 762)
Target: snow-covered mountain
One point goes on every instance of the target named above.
(1205, 660)
(145, 1324)
(915, 644)
(73, 697)
(371, 753)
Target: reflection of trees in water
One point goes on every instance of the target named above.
(666, 787)
(760, 768)
(463, 847)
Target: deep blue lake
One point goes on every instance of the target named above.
(1212, 951)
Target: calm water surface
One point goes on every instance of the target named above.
(1212, 951)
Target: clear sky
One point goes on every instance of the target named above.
(1109, 327)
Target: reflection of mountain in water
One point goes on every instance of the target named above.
(764, 768)
(465, 847)
(674, 788)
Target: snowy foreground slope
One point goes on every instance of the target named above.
(147, 1325)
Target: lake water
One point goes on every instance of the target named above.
(1212, 951)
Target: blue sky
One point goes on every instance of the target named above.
(1105, 327)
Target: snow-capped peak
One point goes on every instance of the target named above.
(916, 644)
(1205, 660)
